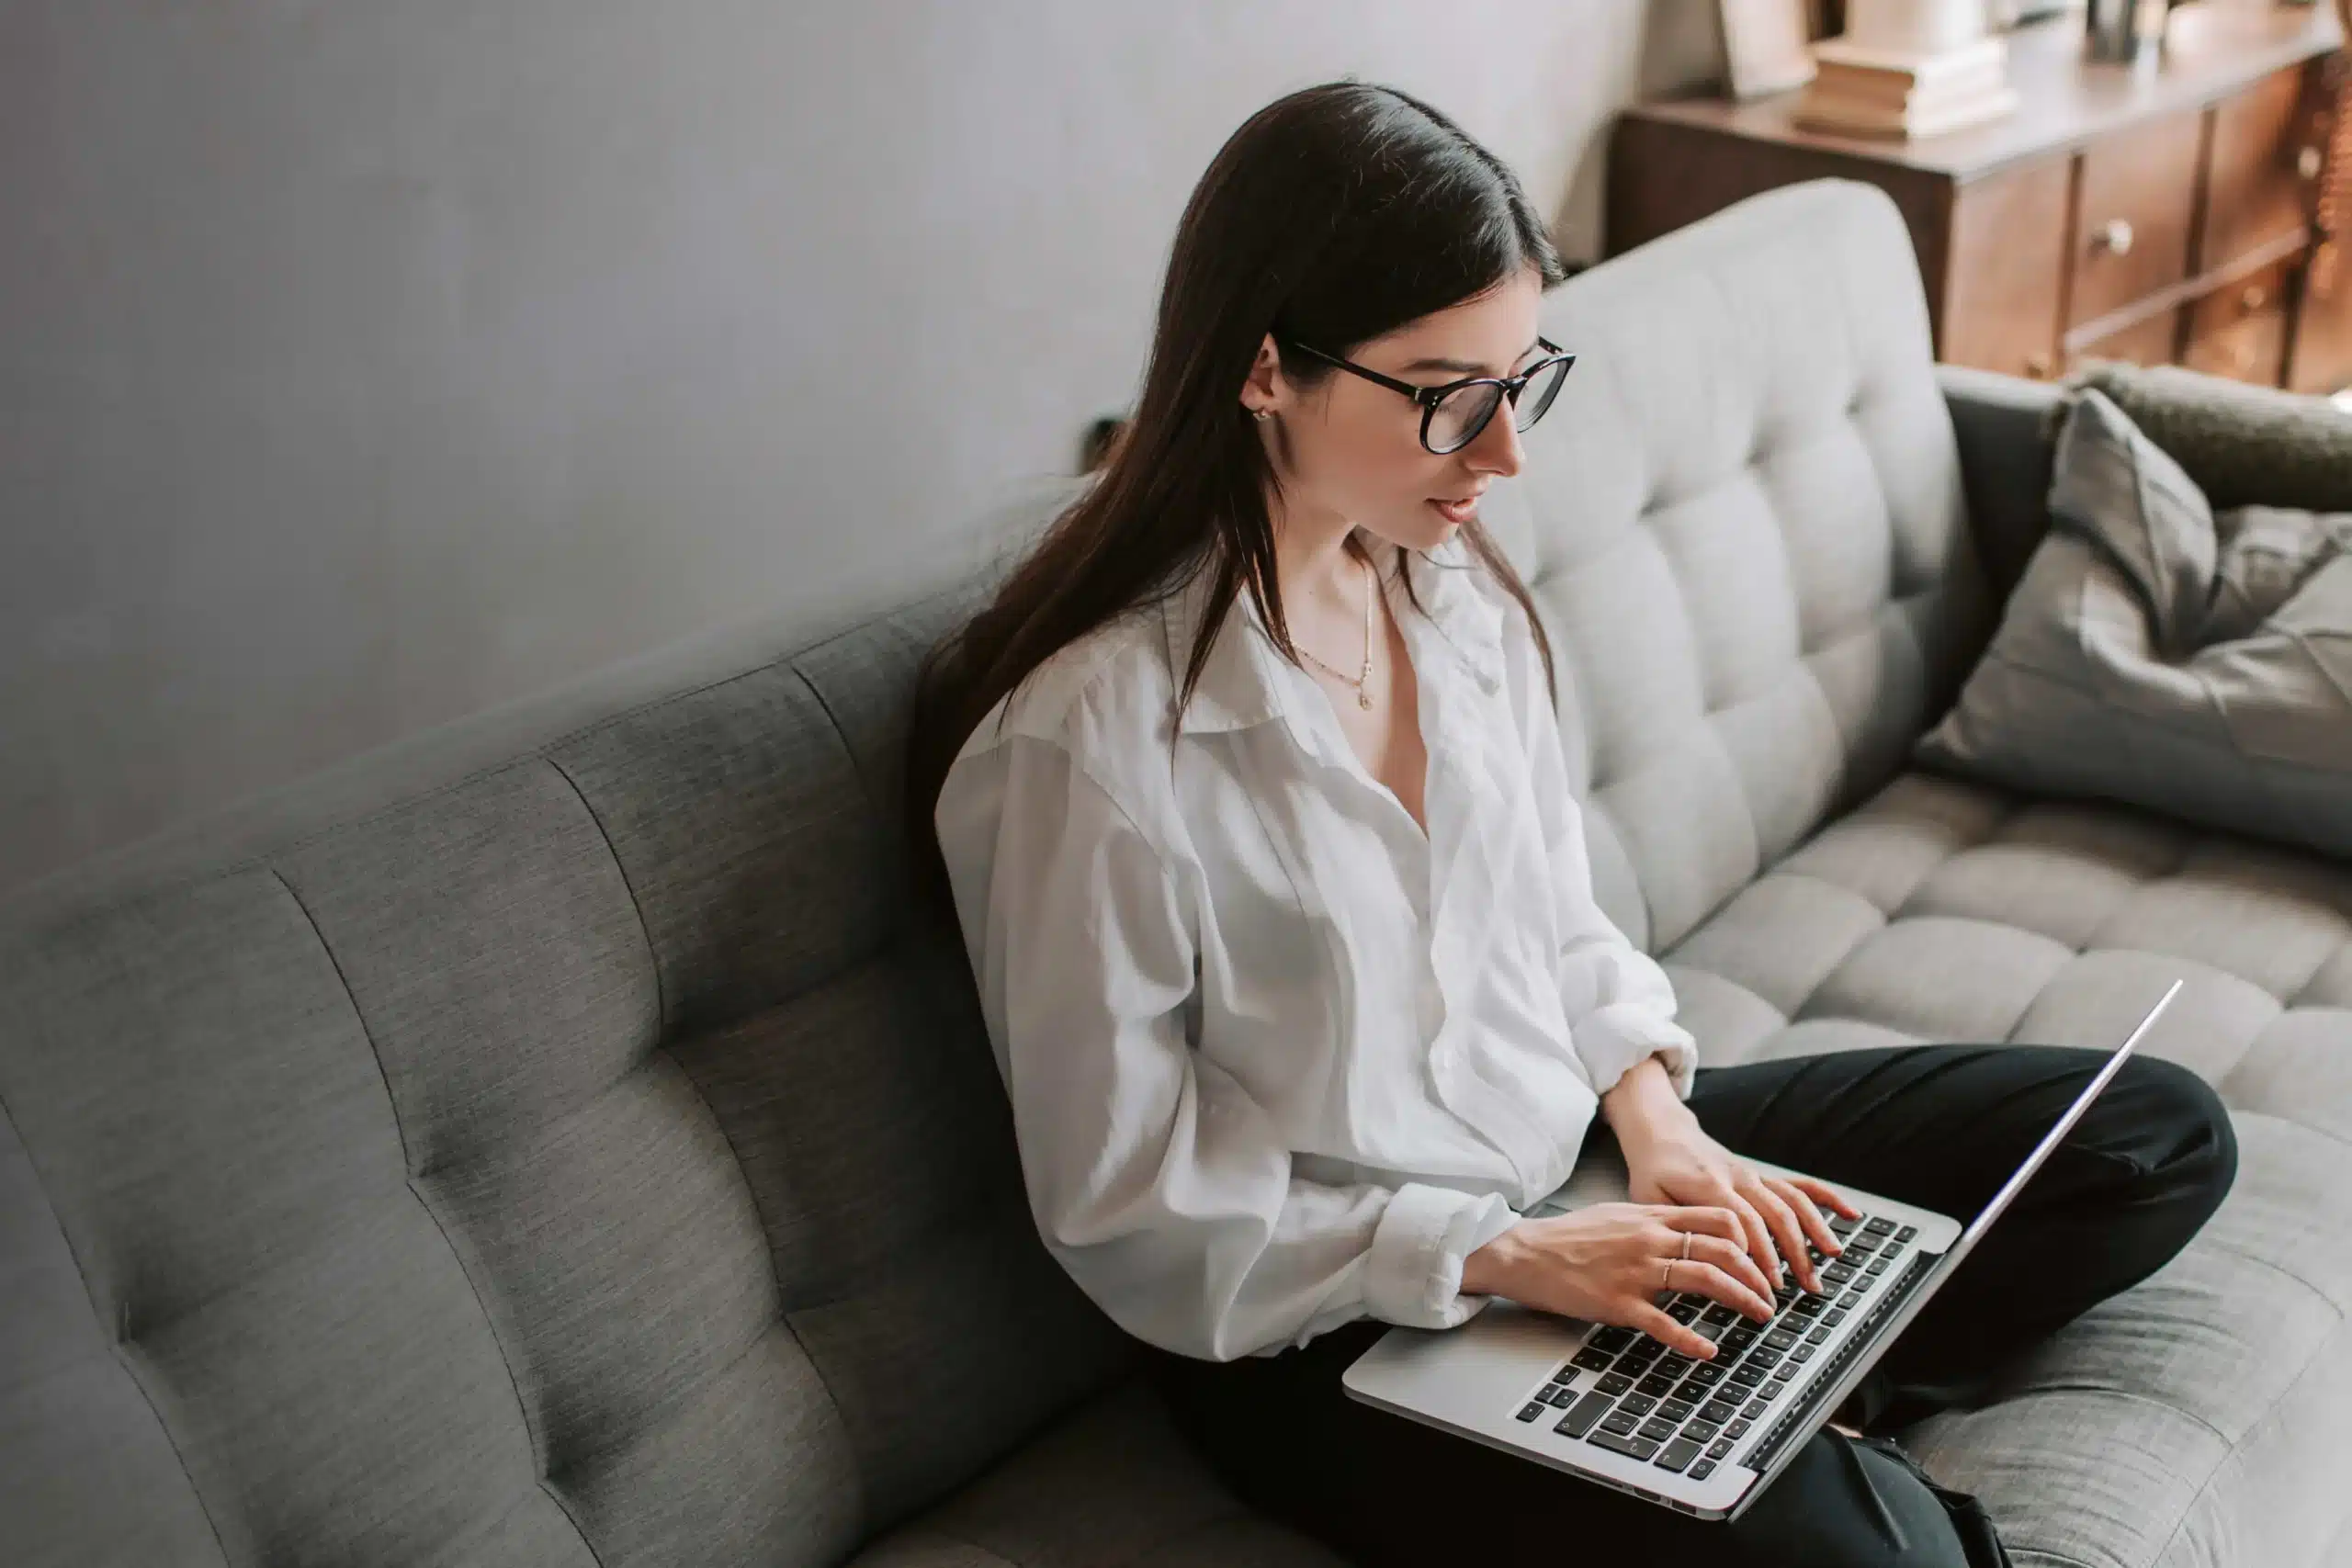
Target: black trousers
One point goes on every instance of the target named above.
(1943, 1126)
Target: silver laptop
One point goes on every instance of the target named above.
(1615, 1407)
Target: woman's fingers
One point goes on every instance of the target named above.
(1726, 1225)
(1822, 1192)
(1786, 1233)
(1817, 1229)
(1723, 1270)
(1760, 1236)
(1674, 1335)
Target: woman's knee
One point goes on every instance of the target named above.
(2179, 1133)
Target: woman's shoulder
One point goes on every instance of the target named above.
(1102, 697)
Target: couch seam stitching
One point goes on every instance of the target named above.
(456, 1255)
(114, 1341)
(644, 928)
(2205, 1487)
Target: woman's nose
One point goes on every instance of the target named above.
(1498, 450)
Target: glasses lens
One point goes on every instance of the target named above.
(1460, 415)
(1537, 395)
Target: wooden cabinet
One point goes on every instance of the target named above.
(2165, 215)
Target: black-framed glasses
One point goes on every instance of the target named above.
(1453, 414)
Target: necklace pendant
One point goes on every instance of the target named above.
(1363, 698)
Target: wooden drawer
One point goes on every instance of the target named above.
(2147, 343)
(2253, 188)
(2240, 331)
(2008, 264)
(2132, 225)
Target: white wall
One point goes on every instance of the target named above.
(365, 366)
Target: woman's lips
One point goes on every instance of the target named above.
(1456, 511)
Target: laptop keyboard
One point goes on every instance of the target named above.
(1629, 1394)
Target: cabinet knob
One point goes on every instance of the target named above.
(2115, 235)
(2309, 162)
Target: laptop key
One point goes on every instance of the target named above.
(1561, 1396)
(1706, 1374)
(1906, 1232)
(1693, 1393)
(1738, 1428)
(1621, 1423)
(1801, 1354)
(1718, 1411)
(1701, 1431)
(1639, 1448)
(1613, 1384)
(1770, 1390)
(1657, 1386)
(1639, 1403)
(1878, 1265)
(1719, 1449)
(1674, 1410)
(1679, 1453)
(1534, 1408)
(1590, 1360)
(1835, 1316)
(1841, 1225)
(1785, 1371)
(1612, 1338)
(1748, 1377)
(1579, 1421)
(1703, 1469)
(1756, 1407)
(1820, 1332)
(1850, 1299)
(1657, 1428)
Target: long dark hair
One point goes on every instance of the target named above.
(1333, 216)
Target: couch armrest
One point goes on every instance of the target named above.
(2004, 430)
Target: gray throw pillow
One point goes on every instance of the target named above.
(2161, 655)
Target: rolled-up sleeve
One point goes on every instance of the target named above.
(1619, 1003)
(1155, 1179)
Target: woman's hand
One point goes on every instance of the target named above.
(1671, 1159)
(1607, 1262)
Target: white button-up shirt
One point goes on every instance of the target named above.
(1277, 1058)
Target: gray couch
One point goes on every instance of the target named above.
(551, 1141)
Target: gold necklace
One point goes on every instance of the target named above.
(1364, 697)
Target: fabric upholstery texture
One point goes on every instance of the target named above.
(2239, 443)
(575, 1156)
(2160, 655)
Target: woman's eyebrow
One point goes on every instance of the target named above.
(1464, 366)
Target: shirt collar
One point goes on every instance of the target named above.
(1245, 679)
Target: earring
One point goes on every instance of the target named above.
(1261, 414)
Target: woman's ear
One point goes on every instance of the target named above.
(1263, 386)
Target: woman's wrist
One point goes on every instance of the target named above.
(1643, 1101)
(1486, 1268)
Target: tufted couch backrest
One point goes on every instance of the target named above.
(547, 1143)
(1743, 525)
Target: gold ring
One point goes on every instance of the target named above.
(1666, 1274)
(1685, 1247)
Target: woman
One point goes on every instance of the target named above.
(1250, 797)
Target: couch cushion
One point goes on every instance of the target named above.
(1113, 1486)
(1743, 525)
(578, 1161)
(2198, 1416)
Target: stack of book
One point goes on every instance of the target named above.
(1859, 91)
